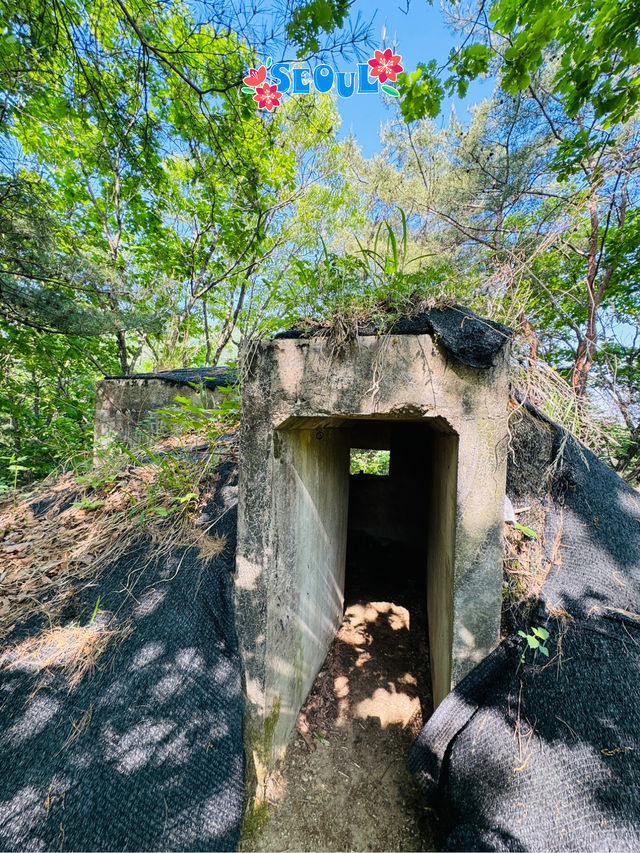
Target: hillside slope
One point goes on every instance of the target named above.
(544, 752)
(120, 682)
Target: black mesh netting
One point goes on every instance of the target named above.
(210, 377)
(469, 338)
(146, 753)
(528, 757)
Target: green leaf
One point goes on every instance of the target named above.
(542, 633)
(533, 642)
(527, 530)
(394, 247)
(422, 92)
(249, 90)
(95, 610)
(188, 497)
(390, 90)
(545, 651)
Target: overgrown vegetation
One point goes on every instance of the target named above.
(58, 538)
(152, 218)
(370, 462)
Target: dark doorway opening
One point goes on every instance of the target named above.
(373, 689)
(385, 592)
(378, 666)
(373, 692)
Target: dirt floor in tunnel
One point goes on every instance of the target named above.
(344, 783)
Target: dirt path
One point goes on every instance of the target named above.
(344, 784)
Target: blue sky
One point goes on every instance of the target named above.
(421, 35)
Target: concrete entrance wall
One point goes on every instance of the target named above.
(302, 410)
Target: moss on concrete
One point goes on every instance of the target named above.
(268, 729)
(259, 739)
(255, 819)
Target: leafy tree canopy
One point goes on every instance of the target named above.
(596, 42)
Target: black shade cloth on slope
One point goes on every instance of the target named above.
(210, 377)
(470, 339)
(521, 757)
(160, 764)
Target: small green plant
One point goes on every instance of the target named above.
(95, 611)
(87, 503)
(97, 478)
(536, 641)
(170, 491)
(387, 259)
(320, 738)
(14, 467)
(526, 530)
(229, 407)
(189, 415)
(177, 502)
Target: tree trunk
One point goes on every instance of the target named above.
(587, 346)
(122, 352)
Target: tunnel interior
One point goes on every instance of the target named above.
(385, 587)
(374, 555)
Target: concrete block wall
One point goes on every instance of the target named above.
(125, 406)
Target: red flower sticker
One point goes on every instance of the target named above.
(255, 78)
(267, 97)
(385, 66)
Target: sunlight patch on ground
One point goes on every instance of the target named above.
(391, 701)
(389, 706)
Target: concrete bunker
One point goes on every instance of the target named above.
(445, 425)
(126, 406)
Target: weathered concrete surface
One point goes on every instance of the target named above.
(448, 588)
(302, 410)
(125, 405)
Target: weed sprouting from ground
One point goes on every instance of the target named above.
(536, 641)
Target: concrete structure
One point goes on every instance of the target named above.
(125, 405)
(445, 424)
